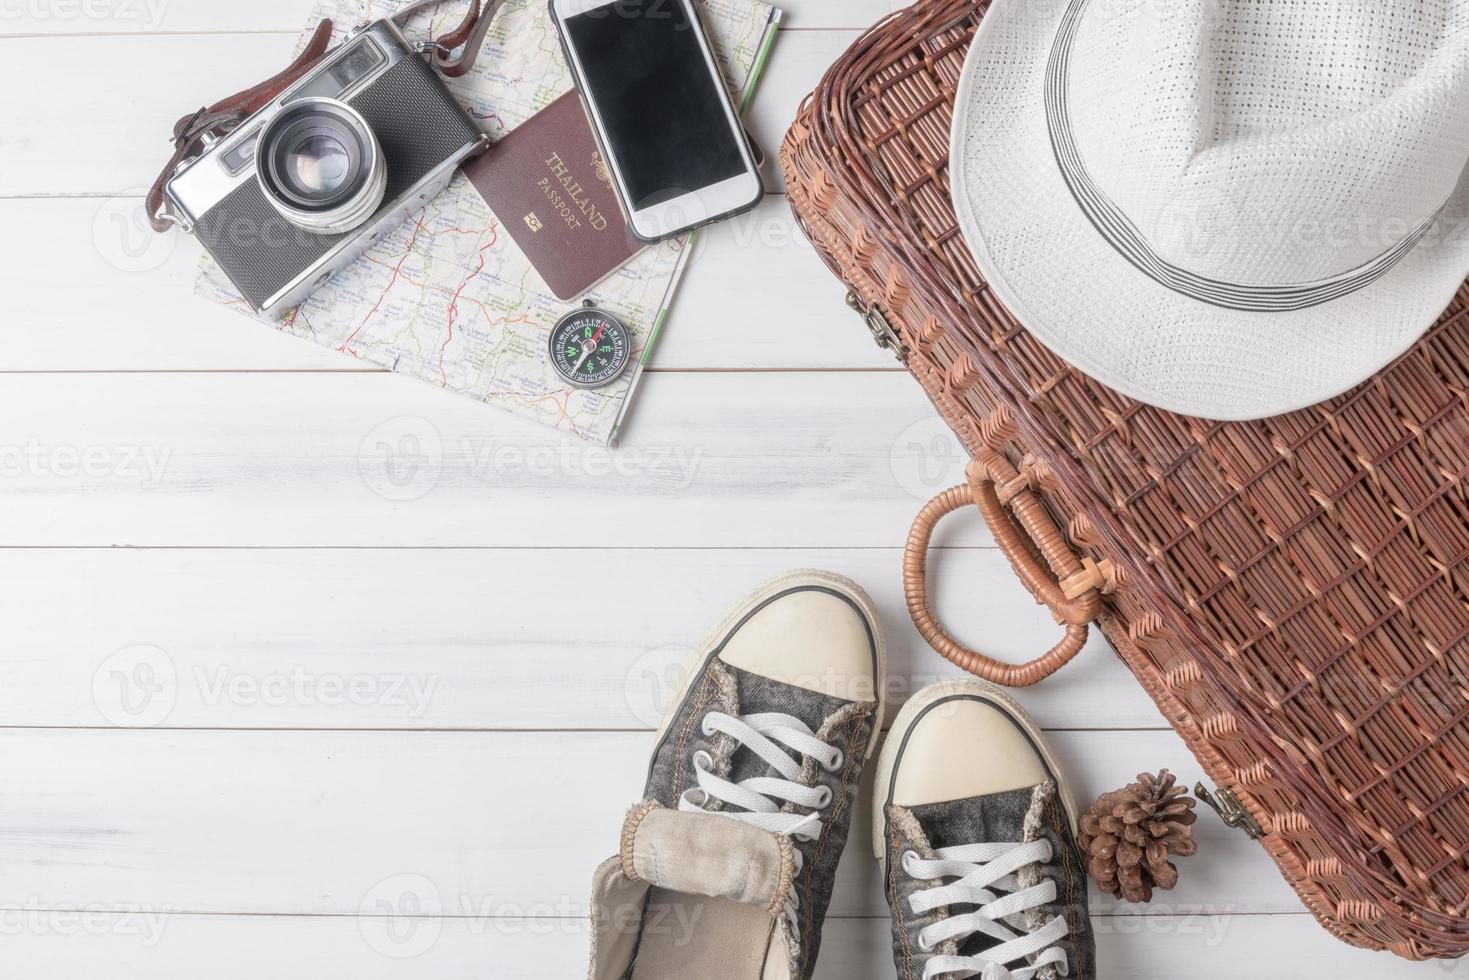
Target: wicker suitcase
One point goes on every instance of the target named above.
(1293, 593)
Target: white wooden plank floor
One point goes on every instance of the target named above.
(264, 713)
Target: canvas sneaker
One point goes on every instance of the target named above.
(973, 827)
(726, 868)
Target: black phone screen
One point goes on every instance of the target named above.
(658, 101)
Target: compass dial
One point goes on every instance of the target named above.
(590, 348)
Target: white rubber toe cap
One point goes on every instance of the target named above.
(819, 635)
(961, 747)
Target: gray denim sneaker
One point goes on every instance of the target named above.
(973, 826)
(726, 869)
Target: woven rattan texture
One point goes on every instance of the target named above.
(1294, 593)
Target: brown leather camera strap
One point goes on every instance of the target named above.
(468, 38)
(218, 119)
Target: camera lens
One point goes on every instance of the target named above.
(321, 166)
(318, 163)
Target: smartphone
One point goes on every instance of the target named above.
(659, 107)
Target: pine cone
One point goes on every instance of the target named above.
(1128, 836)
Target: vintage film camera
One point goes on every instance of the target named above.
(303, 187)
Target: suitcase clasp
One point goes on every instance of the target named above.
(1230, 810)
(882, 331)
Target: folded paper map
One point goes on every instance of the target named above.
(449, 297)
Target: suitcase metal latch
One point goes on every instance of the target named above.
(1230, 810)
(882, 331)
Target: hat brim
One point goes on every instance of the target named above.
(1083, 299)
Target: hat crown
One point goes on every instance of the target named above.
(1252, 143)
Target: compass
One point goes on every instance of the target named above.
(590, 348)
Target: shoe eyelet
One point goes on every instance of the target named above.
(826, 796)
(924, 945)
(707, 760)
(906, 861)
(706, 728)
(835, 762)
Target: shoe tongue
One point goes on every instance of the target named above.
(707, 854)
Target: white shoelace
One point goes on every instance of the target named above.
(983, 873)
(758, 797)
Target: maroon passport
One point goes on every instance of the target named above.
(547, 183)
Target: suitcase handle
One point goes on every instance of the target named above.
(1070, 588)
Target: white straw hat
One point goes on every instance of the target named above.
(1226, 208)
